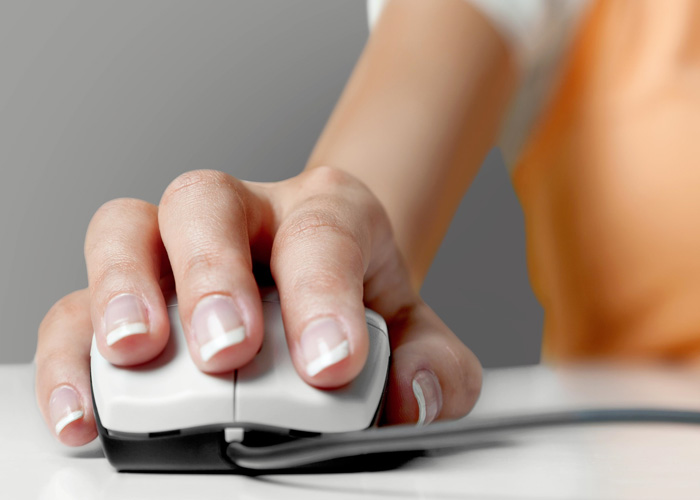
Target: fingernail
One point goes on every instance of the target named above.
(64, 407)
(323, 344)
(428, 393)
(216, 325)
(125, 315)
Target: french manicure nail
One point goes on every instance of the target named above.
(323, 344)
(216, 325)
(125, 315)
(428, 394)
(64, 407)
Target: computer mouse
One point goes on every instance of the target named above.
(166, 415)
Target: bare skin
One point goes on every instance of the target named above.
(608, 182)
(358, 227)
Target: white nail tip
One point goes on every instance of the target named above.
(420, 398)
(125, 331)
(220, 342)
(71, 417)
(328, 358)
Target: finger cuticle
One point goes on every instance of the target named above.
(428, 394)
(125, 315)
(216, 325)
(64, 408)
(323, 344)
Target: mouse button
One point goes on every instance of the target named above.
(167, 393)
(368, 387)
(269, 391)
(281, 398)
(375, 319)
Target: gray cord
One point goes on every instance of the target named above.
(310, 451)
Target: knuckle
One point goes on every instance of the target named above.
(65, 307)
(120, 206)
(114, 210)
(309, 224)
(325, 247)
(341, 184)
(320, 265)
(195, 182)
(199, 263)
(47, 361)
(202, 263)
(115, 273)
(350, 193)
(328, 177)
(318, 281)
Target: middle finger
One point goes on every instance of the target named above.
(205, 218)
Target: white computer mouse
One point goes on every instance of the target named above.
(167, 415)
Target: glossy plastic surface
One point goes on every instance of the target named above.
(170, 393)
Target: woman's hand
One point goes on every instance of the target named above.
(330, 249)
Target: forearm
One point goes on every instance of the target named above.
(419, 113)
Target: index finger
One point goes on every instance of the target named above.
(321, 250)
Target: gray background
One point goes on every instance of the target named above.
(100, 100)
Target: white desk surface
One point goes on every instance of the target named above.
(612, 461)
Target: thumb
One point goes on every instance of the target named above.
(433, 375)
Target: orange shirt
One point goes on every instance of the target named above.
(609, 182)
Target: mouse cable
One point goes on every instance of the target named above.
(404, 438)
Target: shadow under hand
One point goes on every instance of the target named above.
(91, 450)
